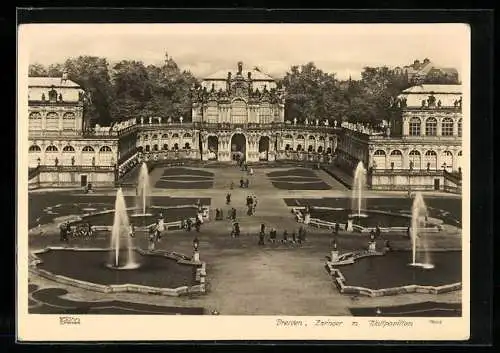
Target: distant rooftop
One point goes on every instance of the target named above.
(51, 81)
(451, 89)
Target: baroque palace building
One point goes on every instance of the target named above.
(62, 151)
(421, 148)
(239, 115)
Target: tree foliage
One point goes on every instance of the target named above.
(128, 89)
(314, 94)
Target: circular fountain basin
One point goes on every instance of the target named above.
(153, 272)
(368, 219)
(389, 274)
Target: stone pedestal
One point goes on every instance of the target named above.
(307, 218)
(372, 246)
(196, 256)
(349, 225)
(335, 255)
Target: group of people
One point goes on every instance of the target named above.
(244, 183)
(251, 204)
(82, 231)
(297, 237)
(187, 224)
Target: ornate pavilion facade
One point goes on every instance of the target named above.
(236, 114)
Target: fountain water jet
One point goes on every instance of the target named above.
(358, 201)
(142, 201)
(418, 220)
(121, 230)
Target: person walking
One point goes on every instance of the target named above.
(131, 230)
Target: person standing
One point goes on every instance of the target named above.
(151, 238)
(285, 237)
(294, 237)
(228, 198)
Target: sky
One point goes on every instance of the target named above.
(343, 49)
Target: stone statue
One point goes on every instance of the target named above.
(150, 120)
(93, 161)
(439, 103)
(240, 67)
(317, 122)
(142, 120)
(295, 121)
(423, 102)
(159, 120)
(180, 119)
(335, 123)
(56, 161)
(326, 122)
(73, 160)
(307, 121)
(43, 96)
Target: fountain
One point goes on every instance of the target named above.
(358, 201)
(143, 191)
(119, 231)
(418, 220)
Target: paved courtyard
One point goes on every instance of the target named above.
(243, 278)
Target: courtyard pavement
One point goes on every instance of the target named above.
(244, 278)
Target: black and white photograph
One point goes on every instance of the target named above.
(289, 181)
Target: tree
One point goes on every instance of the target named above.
(132, 89)
(37, 70)
(311, 93)
(92, 74)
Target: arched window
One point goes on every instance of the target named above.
(396, 159)
(105, 149)
(460, 127)
(187, 146)
(69, 121)
(310, 148)
(51, 148)
(431, 127)
(311, 137)
(148, 148)
(447, 161)
(164, 136)
(68, 149)
(415, 159)
(430, 160)
(52, 121)
(154, 137)
(105, 156)
(447, 127)
(155, 147)
(187, 135)
(287, 136)
(35, 121)
(299, 147)
(165, 147)
(322, 138)
(415, 125)
(176, 146)
(300, 137)
(287, 147)
(35, 153)
(53, 95)
(320, 149)
(379, 159)
(175, 135)
(88, 149)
